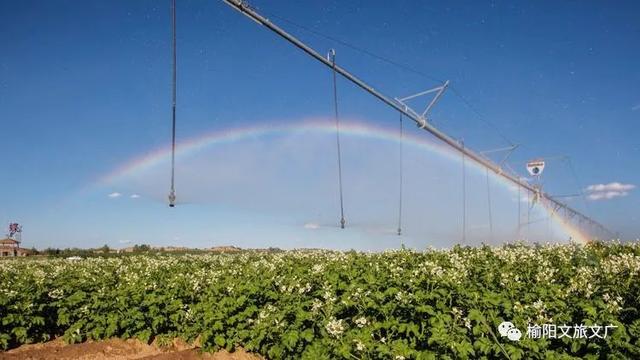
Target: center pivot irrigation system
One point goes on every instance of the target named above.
(400, 105)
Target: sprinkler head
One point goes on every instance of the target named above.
(172, 198)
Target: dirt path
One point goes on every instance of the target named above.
(116, 349)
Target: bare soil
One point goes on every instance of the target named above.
(117, 349)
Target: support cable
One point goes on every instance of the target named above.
(401, 66)
(579, 183)
(480, 117)
(355, 48)
(172, 192)
(401, 180)
(332, 54)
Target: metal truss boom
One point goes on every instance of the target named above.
(421, 121)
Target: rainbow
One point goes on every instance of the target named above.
(352, 128)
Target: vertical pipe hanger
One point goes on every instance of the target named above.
(528, 214)
(489, 205)
(464, 195)
(172, 191)
(401, 180)
(519, 211)
(332, 57)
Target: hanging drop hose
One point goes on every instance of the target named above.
(332, 54)
(519, 216)
(464, 197)
(528, 214)
(489, 206)
(400, 185)
(172, 192)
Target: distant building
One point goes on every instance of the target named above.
(11, 247)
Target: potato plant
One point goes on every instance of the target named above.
(435, 304)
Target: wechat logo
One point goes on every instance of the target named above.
(510, 331)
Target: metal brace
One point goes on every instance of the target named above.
(423, 117)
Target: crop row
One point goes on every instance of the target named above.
(326, 305)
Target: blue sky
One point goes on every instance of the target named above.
(85, 87)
